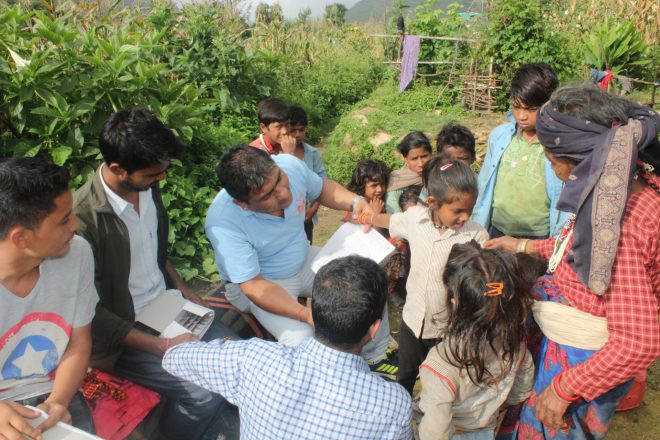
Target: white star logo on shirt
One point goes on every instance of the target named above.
(31, 362)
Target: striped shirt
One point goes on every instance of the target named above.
(630, 304)
(306, 392)
(425, 308)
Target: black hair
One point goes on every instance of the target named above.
(409, 195)
(272, 110)
(455, 135)
(413, 140)
(445, 178)
(478, 322)
(532, 84)
(243, 169)
(598, 106)
(135, 139)
(28, 188)
(298, 116)
(348, 296)
(368, 170)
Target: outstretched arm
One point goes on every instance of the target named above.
(273, 298)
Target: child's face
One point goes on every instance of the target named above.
(458, 153)
(525, 116)
(454, 213)
(298, 132)
(416, 159)
(374, 189)
(275, 131)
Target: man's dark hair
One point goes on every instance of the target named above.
(135, 139)
(455, 135)
(243, 169)
(28, 188)
(298, 116)
(348, 296)
(272, 110)
(532, 84)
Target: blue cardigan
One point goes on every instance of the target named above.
(498, 141)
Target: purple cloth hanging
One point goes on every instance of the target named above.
(409, 61)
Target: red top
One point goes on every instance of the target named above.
(630, 303)
(263, 143)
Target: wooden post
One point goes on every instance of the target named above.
(655, 82)
(490, 82)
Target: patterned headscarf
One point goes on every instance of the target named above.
(599, 186)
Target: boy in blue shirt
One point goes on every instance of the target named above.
(312, 158)
(518, 191)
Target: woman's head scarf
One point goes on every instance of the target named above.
(599, 186)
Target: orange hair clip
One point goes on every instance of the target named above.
(495, 289)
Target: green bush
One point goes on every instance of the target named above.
(64, 70)
(517, 33)
(617, 47)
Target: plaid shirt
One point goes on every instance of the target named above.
(307, 392)
(630, 304)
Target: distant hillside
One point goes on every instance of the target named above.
(376, 10)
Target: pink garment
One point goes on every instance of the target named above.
(117, 405)
(409, 61)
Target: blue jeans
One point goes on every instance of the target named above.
(191, 411)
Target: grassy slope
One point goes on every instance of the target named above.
(377, 117)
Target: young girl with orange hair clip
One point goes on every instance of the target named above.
(482, 364)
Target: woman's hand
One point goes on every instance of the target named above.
(506, 243)
(550, 409)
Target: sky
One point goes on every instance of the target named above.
(292, 7)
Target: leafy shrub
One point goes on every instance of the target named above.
(431, 21)
(65, 69)
(617, 47)
(517, 33)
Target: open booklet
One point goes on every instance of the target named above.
(61, 431)
(173, 315)
(349, 239)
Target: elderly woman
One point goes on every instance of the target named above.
(416, 150)
(597, 307)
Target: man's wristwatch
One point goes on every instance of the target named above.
(355, 200)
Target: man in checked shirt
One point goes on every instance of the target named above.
(319, 389)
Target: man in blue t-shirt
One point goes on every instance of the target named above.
(255, 225)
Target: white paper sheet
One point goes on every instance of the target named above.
(349, 239)
(61, 431)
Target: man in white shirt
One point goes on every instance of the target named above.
(123, 218)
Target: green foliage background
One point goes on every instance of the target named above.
(66, 66)
(201, 70)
